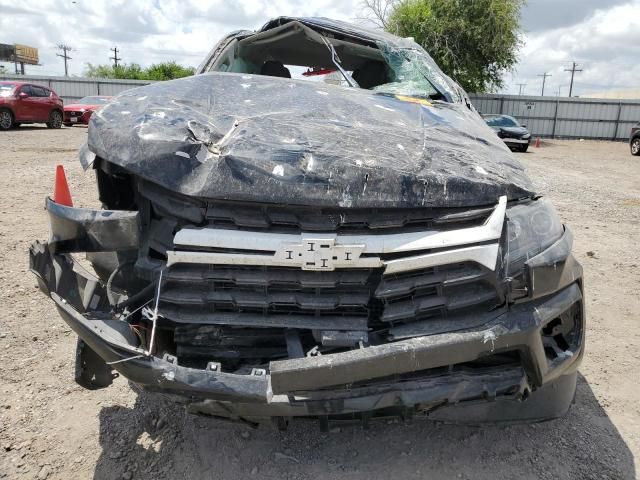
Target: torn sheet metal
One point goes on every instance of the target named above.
(275, 140)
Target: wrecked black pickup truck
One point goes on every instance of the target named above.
(358, 247)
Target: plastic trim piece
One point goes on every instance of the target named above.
(485, 255)
(88, 230)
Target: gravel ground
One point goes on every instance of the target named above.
(52, 428)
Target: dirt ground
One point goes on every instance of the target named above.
(52, 428)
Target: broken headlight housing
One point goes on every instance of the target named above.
(531, 228)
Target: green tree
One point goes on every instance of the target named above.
(474, 41)
(133, 71)
(168, 71)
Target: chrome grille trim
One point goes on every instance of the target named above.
(342, 251)
(485, 255)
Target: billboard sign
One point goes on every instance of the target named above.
(18, 53)
(25, 54)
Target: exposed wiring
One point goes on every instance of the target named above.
(153, 316)
(137, 296)
(125, 359)
(138, 333)
(110, 296)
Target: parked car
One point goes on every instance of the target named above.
(271, 248)
(28, 103)
(80, 112)
(634, 140)
(514, 135)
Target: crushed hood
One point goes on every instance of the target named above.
(274, 140)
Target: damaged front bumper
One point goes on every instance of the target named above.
(420, 374)
(423, 374)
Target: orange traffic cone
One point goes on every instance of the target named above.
(61, 193)
(537, 142)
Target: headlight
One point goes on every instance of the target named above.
(531, 229)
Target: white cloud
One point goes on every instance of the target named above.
(606, 45)
(144, 31)
(604, 39)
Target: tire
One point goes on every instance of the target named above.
(635, 146)
(55, 119)
(524, 148)
(6, 119)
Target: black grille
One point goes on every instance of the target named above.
(274, 218)
(268, 296)
(332, 310)
(222, 304)
(340, 220)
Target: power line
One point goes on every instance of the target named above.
(521, 85)
(115, 57)
(66, 57)
(544, 80)
(573, 71)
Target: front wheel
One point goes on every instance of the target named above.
(524, 148)
(635, 146)
(6, 119)
(55, 120)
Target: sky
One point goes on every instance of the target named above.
(602, 36)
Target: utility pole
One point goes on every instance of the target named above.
(115, 57)
(544, 80)
(521, 85)
(573, 71)
(66, 57)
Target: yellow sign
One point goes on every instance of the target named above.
(25, 54)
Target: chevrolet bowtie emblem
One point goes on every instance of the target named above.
(319, 254)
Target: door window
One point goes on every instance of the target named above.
(26, 89)
(39, 91)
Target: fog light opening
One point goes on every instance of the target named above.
(561, 335)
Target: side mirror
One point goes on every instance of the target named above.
(523, 126)
(23, 95)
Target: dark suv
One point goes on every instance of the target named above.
(634, 140)
(28, 103)
(272, 247)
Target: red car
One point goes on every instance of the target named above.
(28, 103)
(80, 113)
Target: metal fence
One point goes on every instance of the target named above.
(557, 117)
(71, 89)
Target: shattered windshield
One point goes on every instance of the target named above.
(414, 74)
(381, 63)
